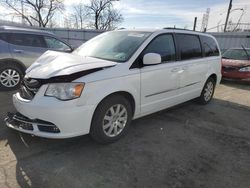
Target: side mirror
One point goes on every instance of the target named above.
(151, 59)
(69, 50)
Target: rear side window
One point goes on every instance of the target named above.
(27, 40)
(210, 47)
(163, 45)
(189, 46)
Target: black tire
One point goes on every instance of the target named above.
(14, 67)
(97, 130)
(203, 99)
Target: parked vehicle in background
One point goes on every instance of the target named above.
(19, 48)
(114, 78)
(236, 64)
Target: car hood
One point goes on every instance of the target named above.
(53, 64)
(235, 63)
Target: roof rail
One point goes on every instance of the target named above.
(23, 28)
(175, 28)
(181, 29)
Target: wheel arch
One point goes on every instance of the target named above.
(214, 77)
(14, 61)
(127, 95)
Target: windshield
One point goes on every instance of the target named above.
(116, 46)
(237, 54)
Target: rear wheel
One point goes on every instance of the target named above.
(207, 92)
(111, 119)
(10, 76)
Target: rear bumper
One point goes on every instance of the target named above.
(50, 118)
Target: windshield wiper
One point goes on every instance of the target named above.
(248, 57)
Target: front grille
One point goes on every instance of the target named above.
(29, 87)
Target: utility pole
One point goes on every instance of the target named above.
(228, 12)
(195, 21)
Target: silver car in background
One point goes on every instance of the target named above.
(19, 48)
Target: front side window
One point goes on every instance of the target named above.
(56, 44)
(237, 54)
(116, 46)
(163, 45)
(189, 46)
(27, 40)
(209, 46)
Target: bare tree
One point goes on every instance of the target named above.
(79, 14)
(35, 12)
(103, 15)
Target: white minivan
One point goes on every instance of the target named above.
(114, 78)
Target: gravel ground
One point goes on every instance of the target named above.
(186, 146)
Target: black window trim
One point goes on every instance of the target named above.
(178, 47)
(136, 63)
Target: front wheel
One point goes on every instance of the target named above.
(207, 92)
(111, 119)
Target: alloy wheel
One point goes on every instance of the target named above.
(208, 91)
(9, 78)
(115, 120)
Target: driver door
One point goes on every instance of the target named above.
(160, 82)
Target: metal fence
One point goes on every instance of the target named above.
(226, 40)
(232, 40)
(76, 37)
(231, 27)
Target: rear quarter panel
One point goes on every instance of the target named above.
(214, 63)
(214, 67)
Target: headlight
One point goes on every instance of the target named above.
(245, 69)
(64, 91)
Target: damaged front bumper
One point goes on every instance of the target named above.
(21, 123)
(50, 118)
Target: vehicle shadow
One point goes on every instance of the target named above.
(237, 84)
(185, 146)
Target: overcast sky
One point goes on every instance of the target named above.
(181, 13)
(167, 13)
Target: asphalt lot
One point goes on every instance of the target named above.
(186, 146)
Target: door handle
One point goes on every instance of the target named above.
(18, 51)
